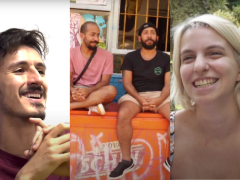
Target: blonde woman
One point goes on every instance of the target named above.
(205, 135)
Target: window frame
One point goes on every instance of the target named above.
(113, 43)
(113, 7)
(92, 7)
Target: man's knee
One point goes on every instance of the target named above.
(108, 93)
(127, 112)
(112, 91)
(122, 114)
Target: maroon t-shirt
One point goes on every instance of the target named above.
(10, 165)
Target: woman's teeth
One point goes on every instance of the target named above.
(204, 83)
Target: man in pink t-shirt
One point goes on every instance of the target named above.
(92, 89)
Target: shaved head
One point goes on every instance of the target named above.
(83, 28)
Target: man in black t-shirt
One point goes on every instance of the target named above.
(146, 78)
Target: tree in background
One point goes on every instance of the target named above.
(181, 10)
(232, 13)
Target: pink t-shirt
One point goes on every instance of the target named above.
(102, 63)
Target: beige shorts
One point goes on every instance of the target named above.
(149, 94)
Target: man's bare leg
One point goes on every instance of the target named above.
(127, 111)
(165, 111)
(103, 95)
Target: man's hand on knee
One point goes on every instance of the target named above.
(77, 95)
(78, 98)
(153, 103)
(84, 92)
(146, 105)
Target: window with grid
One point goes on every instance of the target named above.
(125, 18)
(133, 13)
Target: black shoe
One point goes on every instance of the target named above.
(167, 164)
(121, 170)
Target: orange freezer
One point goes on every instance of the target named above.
(95, 150)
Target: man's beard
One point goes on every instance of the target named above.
(92, 47)
(149, 47)
(38, 113)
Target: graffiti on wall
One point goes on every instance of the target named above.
(76, 21)
(100, 157)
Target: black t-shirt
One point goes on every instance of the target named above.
(147, 75)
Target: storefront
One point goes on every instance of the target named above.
(95, 150)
